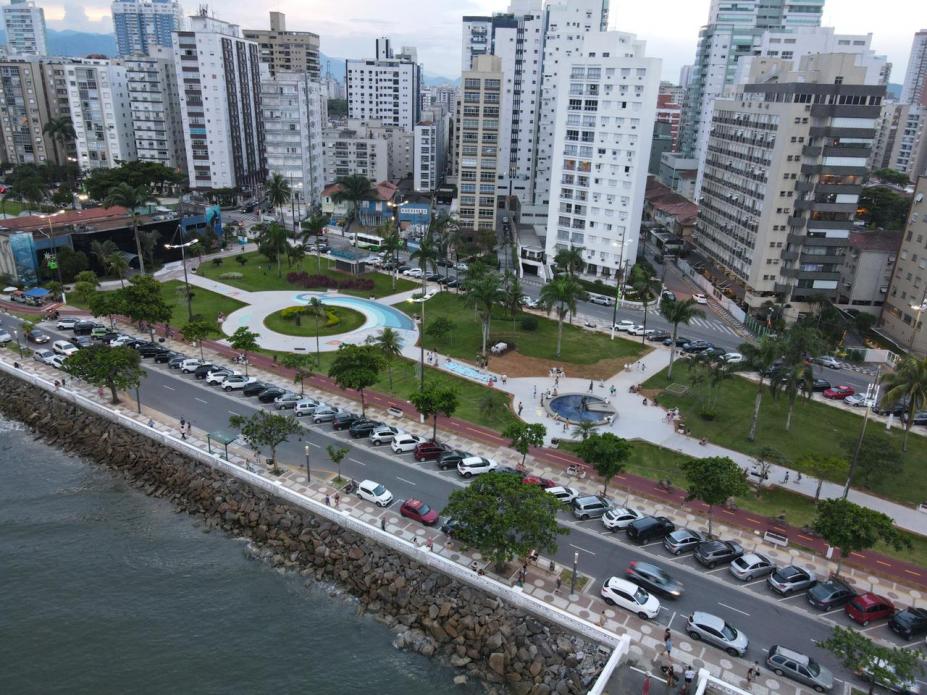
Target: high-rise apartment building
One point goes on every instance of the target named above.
(909, 154)
(430, 149)
(286, 51)
(151, 87)
(386, 89)
(669, 111)
(218, 74)
(888, 128)
(369, 148)
(783, 171)
(905, 310)
(25, 28)
(293, 111)
(141, 26)
(604, 123)
(477, 150)
(100, 111)
(914, 90)
(24, 111)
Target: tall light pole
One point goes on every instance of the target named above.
(183, 260)
(18, 342)
(619, 281)
(421, 339)
(573, 574)
(308, 472)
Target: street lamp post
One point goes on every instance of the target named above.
(183, 260)
(573, 574)
(138, 399)
(308, 472)
(421, 340)
(619, 281)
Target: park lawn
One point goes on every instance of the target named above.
(260, 275)
(816, 429)
(579, 347)
(347, 320)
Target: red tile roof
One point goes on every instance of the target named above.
(384, 190)
(67, 217)
(666, 200)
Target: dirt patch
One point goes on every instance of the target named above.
(514, 365)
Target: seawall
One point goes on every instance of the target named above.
(431, 611)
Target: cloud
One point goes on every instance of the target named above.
(75, 15)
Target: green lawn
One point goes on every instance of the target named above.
(345, 320)
(579, 346)
(816, 429)
(259, 274)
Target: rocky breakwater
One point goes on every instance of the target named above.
(430, 613)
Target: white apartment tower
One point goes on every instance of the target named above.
(385, 89)
(605, 112)
(218, 74)
(430, 149)
(25, 28)
(141, 26)
(915, 78)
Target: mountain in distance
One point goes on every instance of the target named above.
(335, 66)
(76, 43)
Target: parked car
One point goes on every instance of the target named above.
(42, 355)
(343, 421)
(601, 299)
(164, 358)
(176, 361)
(403, 442)
(428, 451)
(920, 417)
(383, 434)
(909, 622)
(680, 341)
(700, 298)
(563, 493)
(829, 362)
(751, 566)
(830, 594)
(628, 595)
(57, 361)
(696, 346)
(84, 327)
(838, 392)
(714, 553)
(859, 400)
(305, 406)
(877, 670)
(732, 358)
(5, 337)
(659, 336)
(867, 607)
(714, 630)
(287, 400)
(819, 385)
(649, 528)
(413, 273)
(325, 413)
(202, 370)
(419, 511)
(624, 325)
(529, 302)
(38, 337)
(82, 341)
(363, 428)
(450, 459)
(475, 465)
(799, 667)
(237, 382)
(590, 507)
(637, 330)
(791, 578)
(682, 540)
(98, 331)
(217, 376)
(538, 481)
(67, 323)
(63, 347)
(375, 492)
(619, 518)
(255, 388)
(653, 579)
(151, 350)
(270, 394)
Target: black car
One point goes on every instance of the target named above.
(713, 553)
(680, 341)
(659, 336)
(433, 277)
(174, 362)
(909, 623)
(403, 268)
(85, 327)
(166, 356)
(343, 421)
(141, 344)
(451, 284)
(653, 579)
(450, 459)
(153, 351)
(830, 594)
(920, 417)
(453, 528)
(270, 394)
(696, 346)
(650, 528)
(82, 341)
(248, 208)
(254, 388)
(203, 370)
(363, 428)
(820, 385)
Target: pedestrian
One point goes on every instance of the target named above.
(337, 499)
(643, 366)
(520, 406)
(183, 422)
(689, 676)
(57, 384)
(505, 378)
(671, 677)
(151, 423)
(430, 544)
(798, 477)
(183, 433)
(100, 392)
(382, 523)
(328, 501)
(786, 478)
(189, 429)
(590, 386)
(645, 689)
(534, 394)
(63, 382)
(559, 584)
(668, 640)
(753, 673)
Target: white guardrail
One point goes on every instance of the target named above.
(511, 595)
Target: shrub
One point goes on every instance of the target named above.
(217, 262)
(241, 259)
(529, 323)
(304, 279)
(231, 276)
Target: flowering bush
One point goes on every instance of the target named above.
(303, 279)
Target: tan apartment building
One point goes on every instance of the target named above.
(286, 51)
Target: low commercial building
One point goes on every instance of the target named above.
(368, 148)
(669, 210)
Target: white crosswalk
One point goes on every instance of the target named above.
(712, 326)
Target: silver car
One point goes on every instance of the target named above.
(751, 566)
(791, 578)
(799, 667)
(682, 540)
(712, 629)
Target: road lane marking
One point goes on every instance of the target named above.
(200, 400)
(717, 569)
(836, 610)
(736, 610)
(791, 596)
(169, 388)
(317, 446)
(756, 581)
(232, 412)
(406, 481)
(583, 549)
(356, 461)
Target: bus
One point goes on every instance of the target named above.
(371, 242)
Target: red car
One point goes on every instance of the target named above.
(419, 511)
(539, 481)
(428, 451)
(838, 392)
(867, 607)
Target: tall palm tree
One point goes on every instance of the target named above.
(60, 130)
(483, 293)
(642, 282)
(427, 252)
(570, 260)
(313, 227)
(273, 244)
(102, 249)
(117, 264)
(316, 309)
(278, 191)
(562, 293)
(760, 356)
(908, 381)
(392, 243)
(131, 198)
(389, 344)
(512, 295)
(676, 313)
(354, 189)
(793, 380)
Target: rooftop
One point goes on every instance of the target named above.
(666, 200)
(93, 218)
(876, 240)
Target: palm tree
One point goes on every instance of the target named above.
(562, 293)
(315, 307)
(273, 244)
(101, 249)
(117, 264)
(61, 131)
(642, 282)
(354, 189)
(149, 241)
(760, 356)
(584, 428)
(793, 380)
(908, 381)
(570, 260)
(676, 313)
(512, 295)
(278, 191)
(426, 253)
(392, 243)
(483, 293)
(131, 198)
(389, 344)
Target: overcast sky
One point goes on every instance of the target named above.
(348, 27)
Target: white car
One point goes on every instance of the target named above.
(475, 465)
(190, 365)
(67, 323)
(237, 381)
(218, 376)
(63, 347)
(404, 442)
(121, 340)
(56, 361)
(413, 272)
(602, 299)
(375, 492)
(5, 337)
(732, 357)
(628, 595)
(563, 493)
(859, 400)
(460, 265)
(637, 330)
(529, 302)
(620, 518)
(624, 325)
(42, 355)
(829, 362)
(700, 298)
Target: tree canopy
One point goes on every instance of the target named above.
(888, 665)
(433, 400)
(357, 367)
(713, 480)
(853, 528)
(264, 428)
(606, 453)
(143, 301)
(113, 368)
(524, 436)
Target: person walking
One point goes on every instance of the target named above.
(382, 523)
(183, 432)
(189, 429)
(183, 422)
(534, 393)
(786, 478)
(668, 641)
(591, 385)
(520, 406)
(559, 584)
(753, 674)
(337, 500)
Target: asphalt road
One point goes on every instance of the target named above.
(752, 608)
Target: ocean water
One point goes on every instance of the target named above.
(105, 590)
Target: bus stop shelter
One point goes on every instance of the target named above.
(221, 438)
